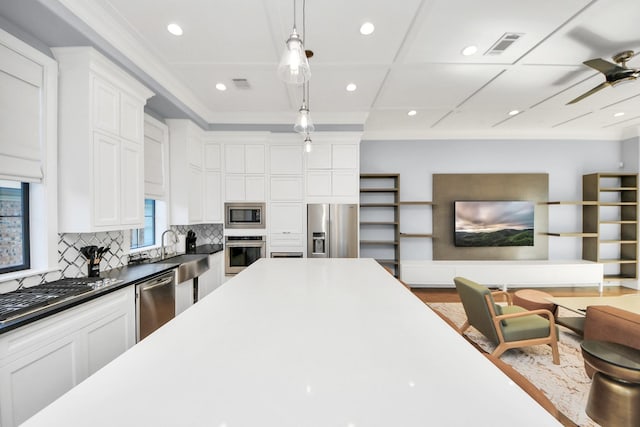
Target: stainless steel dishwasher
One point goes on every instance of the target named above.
(155, 303)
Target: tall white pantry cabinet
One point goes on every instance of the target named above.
(101, 144)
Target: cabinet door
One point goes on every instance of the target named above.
(114, 333)
(106, 176)
(319, 157)
(184, 296)
(344, 156)
(132, 185)
(106, 106)
(194, 151)
(285, 159)
(131, 118)
(212, 159)
(286, 188)
(319, 183)
(254, 188)
(345, 183)
(286, 218)
(254, 159)
(32, 382)
(234, 188)
(154, 170)
(234, 158)
(195, 194)
(212, 197)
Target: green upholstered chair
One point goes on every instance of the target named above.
(507, 326)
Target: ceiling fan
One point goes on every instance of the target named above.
(614, 73)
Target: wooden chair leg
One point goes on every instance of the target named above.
(501, 348)
(464, 326)
(555, 353)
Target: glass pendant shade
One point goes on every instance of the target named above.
(294, 66)
(303, 123)
(307, 144)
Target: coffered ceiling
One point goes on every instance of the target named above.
(412, 61)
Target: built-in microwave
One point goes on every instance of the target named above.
(244, 215)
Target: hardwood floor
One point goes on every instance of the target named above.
(450, 294)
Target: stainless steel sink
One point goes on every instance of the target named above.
(190, 265)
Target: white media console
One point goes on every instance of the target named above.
(504, 274)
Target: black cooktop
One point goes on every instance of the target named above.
(24, 301)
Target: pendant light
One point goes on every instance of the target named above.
(307, 143)
(294, 66)
(303, 123)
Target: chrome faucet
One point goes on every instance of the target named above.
(175, 240)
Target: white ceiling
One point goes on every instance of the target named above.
(412, 61)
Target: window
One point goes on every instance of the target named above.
(146, 236)
(14, 226)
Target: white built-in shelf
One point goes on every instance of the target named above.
(571, 234)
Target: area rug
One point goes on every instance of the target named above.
(566, 385)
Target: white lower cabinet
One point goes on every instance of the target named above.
(184, 296)
(286, 227)
(41, 361)
(212, 278)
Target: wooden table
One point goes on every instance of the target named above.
(301, 342)
(629, 302)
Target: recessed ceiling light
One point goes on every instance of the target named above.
(367, 28)
(514, 112)
(351, 87)
(221, 86)
(412, 113)
(619, 114)
(469, 50)
(174, 29)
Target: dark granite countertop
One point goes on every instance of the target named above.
(130, 275)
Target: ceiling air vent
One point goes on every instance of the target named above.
(503, 43)
(241, 83)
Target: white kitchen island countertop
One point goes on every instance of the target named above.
(300, 342)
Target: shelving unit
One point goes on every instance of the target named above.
(582, 234)
(380, 216)
(611, 213)
(416, 235)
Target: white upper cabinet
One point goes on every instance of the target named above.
(254, 159)
(212, 182)
(234, 158)
(106, 106)
(212, 156)
(131, 118)
(245, 166)
(186, 151)
(101, 144)
(319, 157)
(244, 158)
(156, 158)
(344, 156)
(333, 169)
(286, 159)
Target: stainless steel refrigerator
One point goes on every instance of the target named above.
(332, 230)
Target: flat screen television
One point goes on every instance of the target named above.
(493, 223)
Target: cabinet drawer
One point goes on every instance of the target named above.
(281, 240)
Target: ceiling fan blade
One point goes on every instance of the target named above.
(603, 66)
(589, 93)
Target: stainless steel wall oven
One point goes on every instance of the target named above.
(242, 251)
